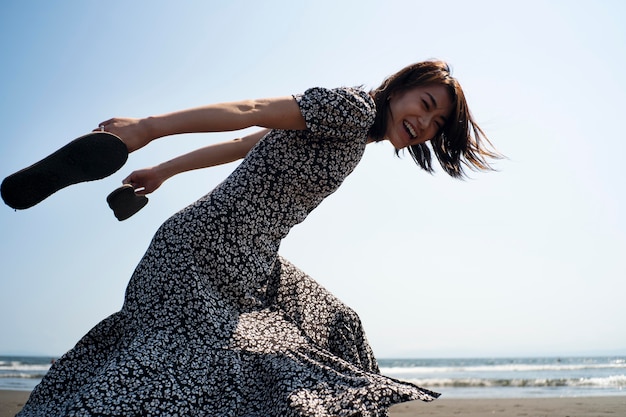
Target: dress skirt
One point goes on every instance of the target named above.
(180, 347)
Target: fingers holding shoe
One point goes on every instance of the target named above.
(144, 181)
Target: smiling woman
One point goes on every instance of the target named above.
(417, 115)
(423, 102)
(214, 321)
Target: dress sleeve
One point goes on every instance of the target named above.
(342, 113)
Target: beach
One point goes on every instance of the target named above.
(12, 401)
(523, 407)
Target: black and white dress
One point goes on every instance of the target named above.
(214, 322)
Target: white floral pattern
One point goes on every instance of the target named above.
(214, 322)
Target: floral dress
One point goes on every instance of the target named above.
(214, 322)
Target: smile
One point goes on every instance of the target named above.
(409, 129)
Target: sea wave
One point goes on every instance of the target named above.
(615, 381)
(21, 366)
(21, 375)
(511, 367)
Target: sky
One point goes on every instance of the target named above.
(525, 261)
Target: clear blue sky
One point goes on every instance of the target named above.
(526, 261)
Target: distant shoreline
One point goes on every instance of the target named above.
(13, 401)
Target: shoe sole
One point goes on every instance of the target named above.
(88, 158)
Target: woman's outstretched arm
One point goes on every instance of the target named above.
(272, 113)
(147, 180)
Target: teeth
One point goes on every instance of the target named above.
(410, 129)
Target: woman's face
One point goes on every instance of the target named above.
(417, 115)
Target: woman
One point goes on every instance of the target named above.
(214, 322)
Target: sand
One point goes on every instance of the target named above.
(12, 401)
(526, 407)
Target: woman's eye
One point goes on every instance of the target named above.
(426, 104)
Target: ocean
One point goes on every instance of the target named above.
(454, 378)
(513, 377)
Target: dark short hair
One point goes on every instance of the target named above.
(460, 143)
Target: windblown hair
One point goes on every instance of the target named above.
(460, 143)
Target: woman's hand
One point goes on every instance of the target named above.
(133, 132)
(145, 181)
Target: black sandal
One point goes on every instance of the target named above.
(88, 158)
(124, 202)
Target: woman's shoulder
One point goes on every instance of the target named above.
(355, 96)
(349, 106)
